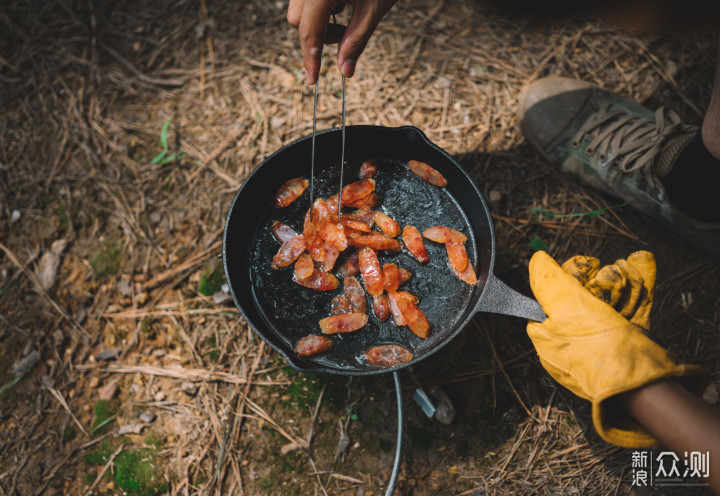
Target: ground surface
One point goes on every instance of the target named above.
(109, 246)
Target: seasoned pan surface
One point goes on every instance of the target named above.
(292, 311)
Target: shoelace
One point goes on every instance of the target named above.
(633, 141)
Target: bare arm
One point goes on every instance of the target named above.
(679, 419)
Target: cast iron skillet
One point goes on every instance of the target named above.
(281, 311)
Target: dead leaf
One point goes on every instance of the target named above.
(49, 263)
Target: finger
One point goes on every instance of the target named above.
(315, 17)
(365, 18)
(608, 285)
(294, 13)
(564, 299)
(644, 263)
(633, 292)
(582, 268)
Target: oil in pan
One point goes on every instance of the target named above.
(294, 311)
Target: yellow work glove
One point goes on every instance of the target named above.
(592, 342)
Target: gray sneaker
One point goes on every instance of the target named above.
(614, 144)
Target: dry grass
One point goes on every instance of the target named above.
(85, 88)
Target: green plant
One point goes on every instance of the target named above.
(166, 156)
(135, 471)
(107, 262)
(212, 279)
(103, 416)
(154, 439)
(538, 244)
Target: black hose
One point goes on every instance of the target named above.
(398, 443)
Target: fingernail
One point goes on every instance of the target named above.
(348, 67)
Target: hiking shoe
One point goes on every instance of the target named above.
(614, 144)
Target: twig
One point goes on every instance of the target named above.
(499, 362)
(142, 77)
(38, 287)
(193, 375)
(64, 404)
(105, 469)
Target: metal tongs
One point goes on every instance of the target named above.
(337, 10)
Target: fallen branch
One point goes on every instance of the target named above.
(193, 375)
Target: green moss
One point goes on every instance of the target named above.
(107, 262)
(145, 325)
(89, 479)
(291, 462)
(211, 351)
(101, 454)
(305, 389)
(136, 473)
(212, 279)
(154, 439)
(103, 415)
(135, 470)
(68, 433)
(266, 483)
(63, 219)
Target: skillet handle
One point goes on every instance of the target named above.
(498, 297)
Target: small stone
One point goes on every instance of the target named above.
(22, 367)
(130, 429)
(221, 298)
(108, 391)
(47, 381)
(14, 216)
(93, 382)
(188, 388)
(444, 82)
(58, 338)
(159, 396)
(142, 298)
(148, 417)
(159, 353)
(183, 452)
(135, 389)
(107, 355)
(49, 264)
(287, 448)
(343, 444)
(124, 287)
(110, 486)
(495, 196)
(711, 393)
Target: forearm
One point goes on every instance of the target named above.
(680, 420)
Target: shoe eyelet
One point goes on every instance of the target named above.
(575, 144)
(603, 157)
(589, 151)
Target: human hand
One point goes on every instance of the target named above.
(592, 342)
(311, 17)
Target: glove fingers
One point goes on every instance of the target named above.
(644, 263)
(582, 268)
(564, 299)
(634, 291)
(608, 285)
